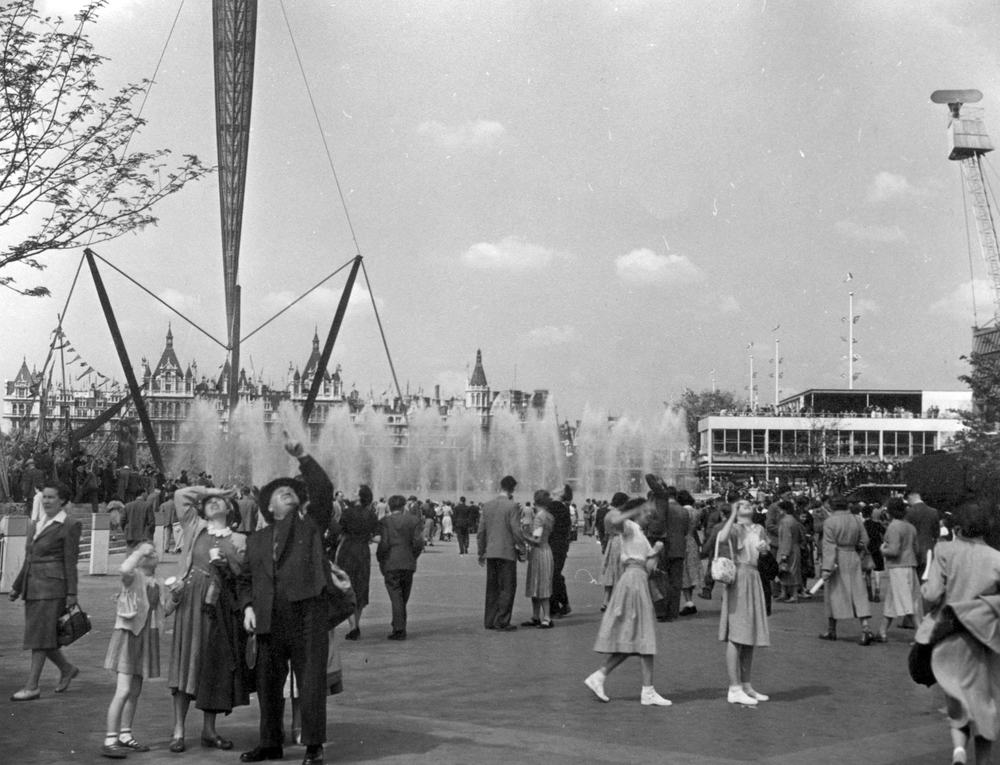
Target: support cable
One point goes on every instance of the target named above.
(381, 332)
(298, 299)
(319, 125)
(158, 299)
(968, 247)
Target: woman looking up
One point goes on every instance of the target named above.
(743, 619)
(628, 626)
(206, 656)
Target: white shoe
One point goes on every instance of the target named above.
(738, 696)
(754, 694)
(596, 683)
(958, 756)
(650, 698)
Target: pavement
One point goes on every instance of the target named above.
(456, 693)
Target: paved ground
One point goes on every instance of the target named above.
(455, 693)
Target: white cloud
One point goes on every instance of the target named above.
(550, 335)
(957, 304)
(178, 300)
(645, 267)
(469, 135)
(322, 301)
(728, 304)
(871, 232)
(510, 253)
(886, 186)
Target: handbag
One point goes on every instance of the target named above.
(72, 626)
(723, 569)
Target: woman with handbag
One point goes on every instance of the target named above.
(628, 626)
(962, 572)
(743, 619)
(47, 582)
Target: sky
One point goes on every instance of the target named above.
(611, 200)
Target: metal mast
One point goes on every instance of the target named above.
(234, 33)
(969, 141)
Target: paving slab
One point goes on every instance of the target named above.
(456, 693)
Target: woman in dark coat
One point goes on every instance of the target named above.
(47, 582)
(358, 525)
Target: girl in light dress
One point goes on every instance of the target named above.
(538, 577)
(628, 624)
(743, 619)
(134, 649)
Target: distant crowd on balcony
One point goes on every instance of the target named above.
(873, 412)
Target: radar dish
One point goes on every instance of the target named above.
(956, 96)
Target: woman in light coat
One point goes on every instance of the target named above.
(965, 575)
(845, 592)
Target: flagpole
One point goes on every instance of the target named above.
(850, 341)
(777, 371)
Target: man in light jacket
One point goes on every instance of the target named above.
(500, 541)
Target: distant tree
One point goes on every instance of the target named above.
(978, 446)
(698, 405)
(67, 177)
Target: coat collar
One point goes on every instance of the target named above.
(46, 522)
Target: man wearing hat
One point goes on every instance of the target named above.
(286, 607)
(498, 540)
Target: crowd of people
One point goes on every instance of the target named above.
(259, 568)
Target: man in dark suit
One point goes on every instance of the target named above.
(667, 523)
(286, 606)
(460, 520)
(674, 551)
(499, 542)
(401, 541)
(559, 539)
(138, 521)
(927, 521)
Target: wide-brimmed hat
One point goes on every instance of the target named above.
(264, 501)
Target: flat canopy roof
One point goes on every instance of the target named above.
(852, 392)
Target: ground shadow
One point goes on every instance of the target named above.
(361, 742)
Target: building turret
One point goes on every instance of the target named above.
(477, 391)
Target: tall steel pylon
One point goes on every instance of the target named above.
(234, 33)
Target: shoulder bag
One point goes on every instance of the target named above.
(723, 569)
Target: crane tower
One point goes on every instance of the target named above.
(969, 141)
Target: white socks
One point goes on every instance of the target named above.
(651, 698)
(738, 696)
(595, 682)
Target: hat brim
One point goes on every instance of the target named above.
(264, 501)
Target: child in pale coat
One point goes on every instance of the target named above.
(134, 649)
